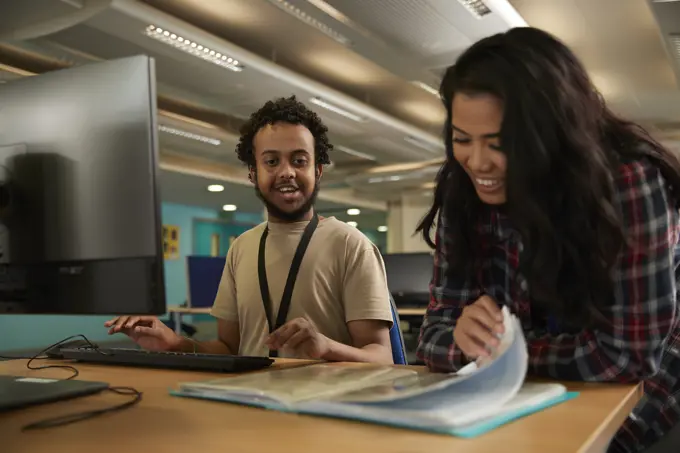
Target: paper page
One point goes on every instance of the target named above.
(530, 396)
(491, 381)
(288, 386)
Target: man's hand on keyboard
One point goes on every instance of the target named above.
(147, 331)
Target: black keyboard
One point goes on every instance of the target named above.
(175, 360)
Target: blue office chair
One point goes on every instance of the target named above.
(396, 337)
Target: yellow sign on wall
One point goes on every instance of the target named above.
(170, 242)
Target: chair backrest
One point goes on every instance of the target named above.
(396, 337)
(203, 279)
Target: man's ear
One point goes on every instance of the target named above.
(319, 171)
(251, 174)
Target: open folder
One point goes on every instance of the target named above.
(476, 399)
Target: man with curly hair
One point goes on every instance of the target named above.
(297, 285)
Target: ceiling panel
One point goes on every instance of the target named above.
(619, 43)
(266, 30)
(413, 24)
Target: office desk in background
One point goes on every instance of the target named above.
(178, 312)
(178, 425)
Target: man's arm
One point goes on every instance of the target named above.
(627, 345)
(370, 343)
(228, 340)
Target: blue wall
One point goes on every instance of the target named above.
(26, 332)
(175, 270)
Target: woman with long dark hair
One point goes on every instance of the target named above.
(550, 204)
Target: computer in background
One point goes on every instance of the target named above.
(80, 226)
(408, 278)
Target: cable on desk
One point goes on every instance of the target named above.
(79, 416)
(76, 417)
(44, 367)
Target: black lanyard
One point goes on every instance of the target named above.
(290, 281)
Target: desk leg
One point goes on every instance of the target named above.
(177, 317)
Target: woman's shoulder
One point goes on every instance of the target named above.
(644, 198)
(638, 178)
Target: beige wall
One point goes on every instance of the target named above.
(403, 217)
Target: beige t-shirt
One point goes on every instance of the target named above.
(341, 279)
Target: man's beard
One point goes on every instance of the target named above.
(288, 216)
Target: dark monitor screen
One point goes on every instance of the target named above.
(409, 276)
(80, 229)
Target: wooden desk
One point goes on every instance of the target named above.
(178, 312)
(407, 312)
(171, 424)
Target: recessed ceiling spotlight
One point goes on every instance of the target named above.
(353, 211)
(382, 228)
(193, 48)
(215, 188)
(229, 207)
(352, 224)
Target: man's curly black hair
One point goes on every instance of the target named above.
(283, 110)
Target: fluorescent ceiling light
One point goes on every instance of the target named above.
(353, 211)
(352, 224)
(215, 188)
(476, 7)
(382, 228)
(426, 87)
(675, 42)
(190, 135)
(355, 153)
(309, 20)
(378, 179)
(421, 144)
(193, 48)
(334, 108)
(229, 207)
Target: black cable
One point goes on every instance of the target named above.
(80, 416)
(76, 417)
(44, 367)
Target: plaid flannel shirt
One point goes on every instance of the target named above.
(640, 340)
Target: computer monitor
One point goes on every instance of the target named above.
(408, 277)
(80, 229)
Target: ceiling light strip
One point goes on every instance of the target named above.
(190, 135)
(309, 20)
(193, 48)
(334, 108)
(147, 14)
(476, 7)
(355, 153)
(421, 144)
(426, 87)
(675, 42)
